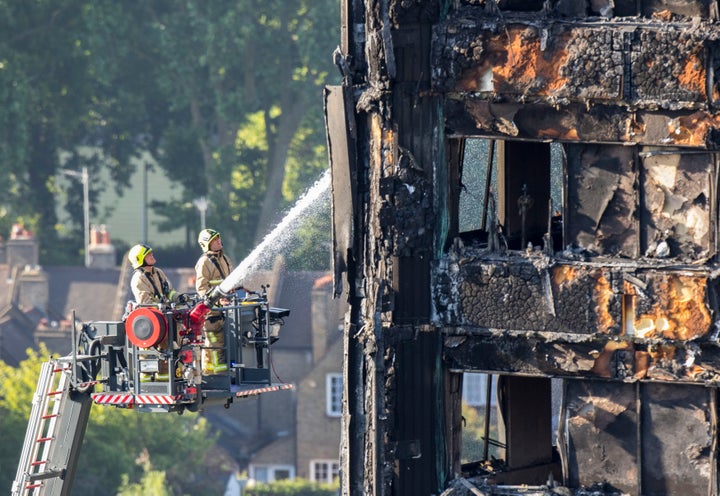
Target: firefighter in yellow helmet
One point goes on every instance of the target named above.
(211, 268)
(150, 286)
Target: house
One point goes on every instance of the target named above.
(283, 434)
(313, 451)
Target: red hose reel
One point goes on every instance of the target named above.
(146, 327)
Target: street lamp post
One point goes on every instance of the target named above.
(202, 205)
(84, 177)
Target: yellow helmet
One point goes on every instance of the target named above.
(137, 255)
(205, 237)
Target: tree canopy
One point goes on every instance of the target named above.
(225, 96)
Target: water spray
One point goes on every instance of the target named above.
(235, 279)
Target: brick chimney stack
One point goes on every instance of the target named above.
(21, 248)
(102, 251)
(32, 289)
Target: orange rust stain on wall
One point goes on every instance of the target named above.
(692, 129)
(568, 134)
(642, 363)
(681, 312)
(602, 366)
(517, 64)
(693, 75)
(603, 295)
(660, 353)
(524, 62)
(564, 274)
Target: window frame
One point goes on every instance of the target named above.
(333, 405)
(272, 470)
(332, 470)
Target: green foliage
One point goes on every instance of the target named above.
(225, 96)
(297, 487)
(473, 434)
(152, 482)
(17, 386)
(117, 442)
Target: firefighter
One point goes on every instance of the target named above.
(150, 286)
(211, 268)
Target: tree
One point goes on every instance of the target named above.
(226, 96)
(473, 436)
(233, 100)
(153, 482)
(117, 442)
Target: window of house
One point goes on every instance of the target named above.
(271, 473)
(333, 394)
(324, 471)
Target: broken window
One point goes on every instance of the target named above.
(498, 434)
(479, 415)
(515, 187)
(479, 177)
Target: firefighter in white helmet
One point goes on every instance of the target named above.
(211, 268)
(150, 286)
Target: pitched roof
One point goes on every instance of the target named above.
(15, 335)
(90, 292)
(6, 285)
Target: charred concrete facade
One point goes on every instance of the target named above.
(601, 272)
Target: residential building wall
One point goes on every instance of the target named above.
(318, 434)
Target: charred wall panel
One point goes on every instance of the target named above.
(639, 83)
(641, 324)
(601, 214)
(606, 304)
(601, 422)
(417, 418)
(687, 8)
(519, 295)
(340, 142)
(678, 426)
(676, 208)
(650, 439)
(644, 66)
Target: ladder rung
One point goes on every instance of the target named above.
(39, 462)
(45, 475)
(53, 393)
(50, 415)
(43, 439)
(33, 486)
